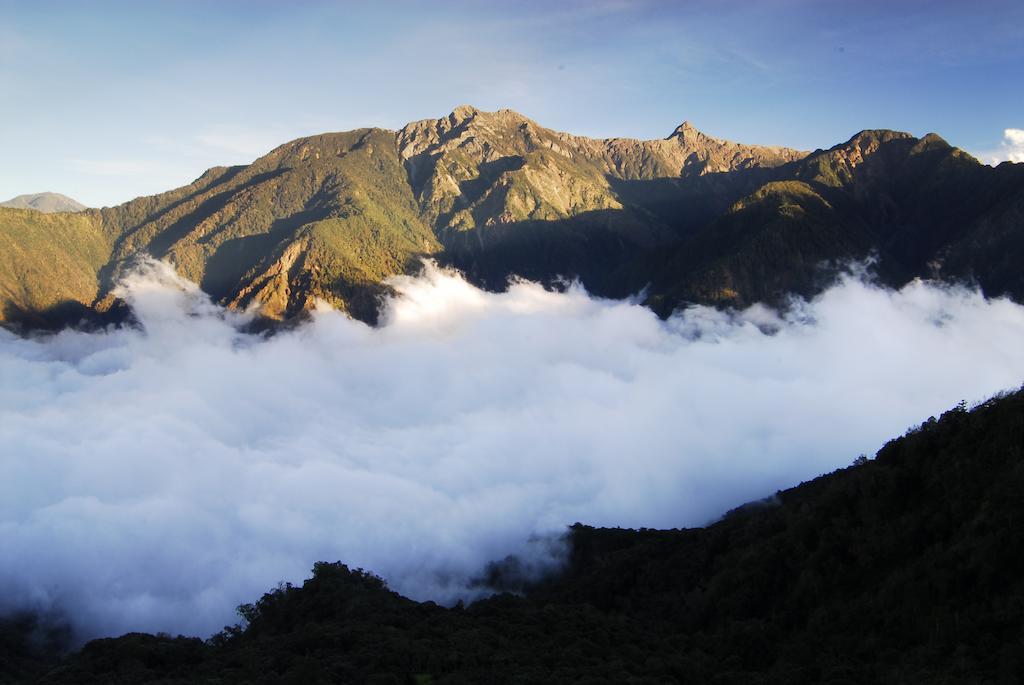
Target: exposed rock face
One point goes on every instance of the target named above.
(44, 202)
(475, 167)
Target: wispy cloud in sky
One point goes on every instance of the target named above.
(243, 142)
(108, 167)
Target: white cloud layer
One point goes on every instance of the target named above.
(154, 480)
(1012, 147)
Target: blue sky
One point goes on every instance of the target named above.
(105, 101)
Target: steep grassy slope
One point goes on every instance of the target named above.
(905, 568)
(48, 265)
(324, 217)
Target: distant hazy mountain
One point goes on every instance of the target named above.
(690, 217)
(45, 202)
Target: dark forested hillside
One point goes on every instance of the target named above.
(906, 568)
(919, 206)
(691, 218)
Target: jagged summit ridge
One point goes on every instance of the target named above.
(696, 218)
(682, 128)
(542, 174)
(467, 121)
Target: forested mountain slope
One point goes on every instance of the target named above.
(920, 206)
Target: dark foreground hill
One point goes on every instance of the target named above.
(692, 218)
(907, 568)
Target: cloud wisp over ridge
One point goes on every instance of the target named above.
(1012, 147)
(154, 479)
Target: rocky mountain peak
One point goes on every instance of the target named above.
(683, 129)
(462, 113)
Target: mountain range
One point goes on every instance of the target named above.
(685, 219)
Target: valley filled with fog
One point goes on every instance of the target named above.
(154, 478)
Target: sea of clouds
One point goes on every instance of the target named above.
(153, 479)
